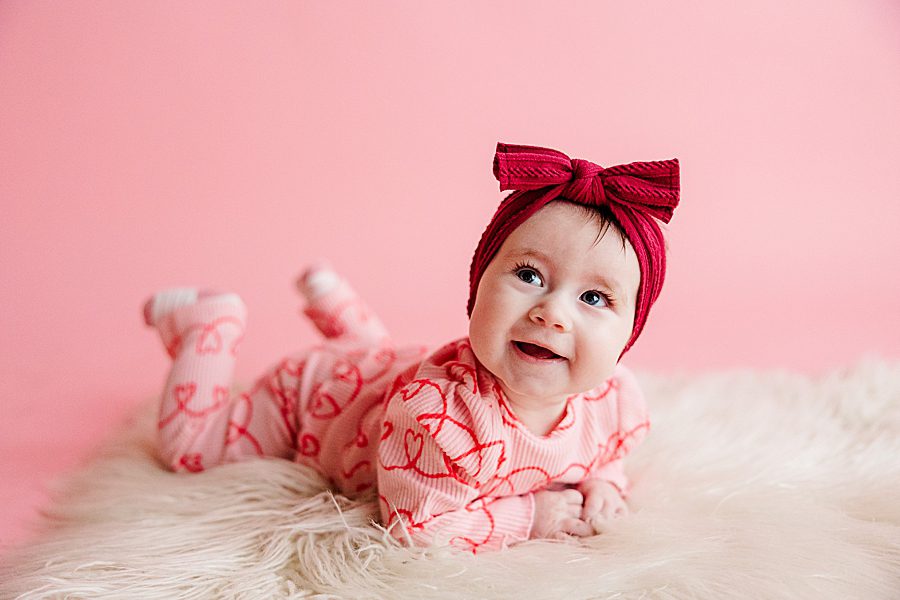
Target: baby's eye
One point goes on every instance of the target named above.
(593, 298)
(529, 275)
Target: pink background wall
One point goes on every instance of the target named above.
(145, 144)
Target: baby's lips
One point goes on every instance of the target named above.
(537, 350)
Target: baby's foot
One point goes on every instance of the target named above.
(317, 280)
(335, 309)
(161, 304)
(159, 309)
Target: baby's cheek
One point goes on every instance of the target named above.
(484, 347)
(478, 341)
(598, 368)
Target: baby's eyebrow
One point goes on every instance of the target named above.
(534, 253)
(611, 283)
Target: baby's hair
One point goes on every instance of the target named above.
(603, 217)
(605, 220)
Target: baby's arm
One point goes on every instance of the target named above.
(607, 487)
(604, 496)
(335, 308)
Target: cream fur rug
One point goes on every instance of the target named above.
(751, 485)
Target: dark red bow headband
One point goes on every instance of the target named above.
(636, 194)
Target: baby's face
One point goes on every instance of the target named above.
(555, 307)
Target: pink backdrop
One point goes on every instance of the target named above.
(145, 144)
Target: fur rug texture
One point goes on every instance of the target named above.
(751, 484)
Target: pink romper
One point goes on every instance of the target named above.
(434, 434)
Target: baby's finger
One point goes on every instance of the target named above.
(576, 527)
(599, 524)
(614, 509)
(603, 523)
(573, 496)
(572, 510)
(594, 505)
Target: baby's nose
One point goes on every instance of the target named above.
(548, 316)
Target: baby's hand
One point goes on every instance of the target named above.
(602, 503)
(557, 515)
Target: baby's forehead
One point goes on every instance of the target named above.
(560, 227)
(604, 253)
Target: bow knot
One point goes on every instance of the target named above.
(586, 185)
(582, 169)
(651, 187)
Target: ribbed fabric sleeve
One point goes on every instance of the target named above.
(432, 489)
(627, 413)
(614, 472)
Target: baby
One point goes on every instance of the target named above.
(517, 431)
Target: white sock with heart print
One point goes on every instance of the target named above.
(164, 302)
(159, 309)
(318, 280)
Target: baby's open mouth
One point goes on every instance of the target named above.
(536, 351)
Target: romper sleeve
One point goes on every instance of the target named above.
(435, 456)
(631, 422)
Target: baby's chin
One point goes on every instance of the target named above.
(551, 391)
(520, 385)
(536, 388)
(535, 393)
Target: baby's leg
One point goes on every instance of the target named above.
(336, 310)
(201, 423)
